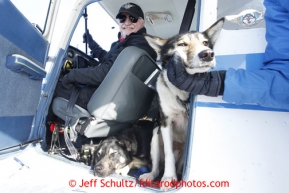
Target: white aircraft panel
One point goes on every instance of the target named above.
(247, 148)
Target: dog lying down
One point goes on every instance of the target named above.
(126, 150)
(195, 50)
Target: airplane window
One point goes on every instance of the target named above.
(101, 26)
(38, 16)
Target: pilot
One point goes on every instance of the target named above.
(268, 86)
(131, 26)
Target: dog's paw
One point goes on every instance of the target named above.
(147, 176)
(168, 182)
(123, 171)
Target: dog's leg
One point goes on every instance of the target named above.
(180, 164)
(135, 163)
(123, 171)
(170, 168)
(155, 156)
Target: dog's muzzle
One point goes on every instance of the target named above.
(98, 168)
(99, 171)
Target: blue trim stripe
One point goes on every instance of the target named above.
(248, 61)
(234, 106)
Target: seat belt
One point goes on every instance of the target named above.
(188, 16)
(85, 25)
(72, 133)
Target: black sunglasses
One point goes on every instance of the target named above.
(122, 18)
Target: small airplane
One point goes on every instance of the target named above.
(229, 147)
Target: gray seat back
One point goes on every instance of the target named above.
(124, 95)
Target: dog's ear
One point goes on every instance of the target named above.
(213, 32)
(130, 147)
(155, 42)
(126, 144)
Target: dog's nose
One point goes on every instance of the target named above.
(207, 55)
(98, 168)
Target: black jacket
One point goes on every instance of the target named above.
(94, 76)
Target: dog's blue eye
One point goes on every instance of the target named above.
(182, 44)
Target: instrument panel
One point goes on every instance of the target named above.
(76, 58)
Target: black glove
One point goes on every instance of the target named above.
(67, 81)
(209, 83)
(93, 46)
(87, 38)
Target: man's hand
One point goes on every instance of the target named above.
(93, 46)
(209, 84)
(67, 83)
(176, 71)
(87, 38)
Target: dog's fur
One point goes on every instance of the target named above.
(126, 150)
(195, 49)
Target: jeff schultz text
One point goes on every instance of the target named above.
(149, 183)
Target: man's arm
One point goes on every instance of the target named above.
(87, 76)
(269, 86)
(266, 87)
(96, 50)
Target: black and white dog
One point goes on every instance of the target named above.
(126, 150)
(195, 49)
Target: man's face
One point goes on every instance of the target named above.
(127, 27)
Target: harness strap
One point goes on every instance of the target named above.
(81, 128)
(185, 104)
(72, 133)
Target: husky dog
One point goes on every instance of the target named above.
(195, 49)
(130, 148)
